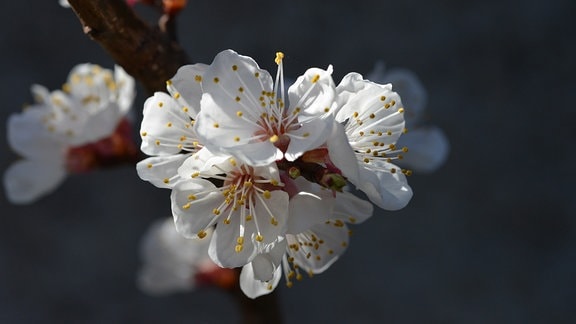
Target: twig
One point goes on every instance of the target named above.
(145, 53)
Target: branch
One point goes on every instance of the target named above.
(145, 53)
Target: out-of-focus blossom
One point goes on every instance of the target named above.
(172, 263)
(73, 130)
(428, 144)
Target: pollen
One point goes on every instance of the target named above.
(372, 116)
(316, 78)
(168, 82)
(267, 194)
(240, 240)
(274, 138)
(259, 238)
(185, 109)
(143, 134)
(198, 78)
(236, 139)
(149, 165)
(169, 125)
(238, 248)
(176, 95)
(216, 80)
(256, 75)
(216, 125)
(273, 221)
(191, 197)
(186, 206)
(201, 234)
(157, 142)
(401, 110)
(234, 67)
(160, 104)
(215, 211)
(240, 89)
(327, 109)
(166, 180)
(382, 98)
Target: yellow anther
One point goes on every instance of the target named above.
(157, 142)
(227, 221)
(327, 109)
(382, 98)
(191, 197)
(315, 78)
(239, 113)
(401, 110)
(405, 149)
(216, 80)
(240, 240)
(393, 170)
(234, 67)
(273, 182)
(247, 184)
(149, 165)
(274, 138)
(143, 134)
(168, 82)
(236, 139)
(186, 206)
(259, 238)
(166, 180)
(160, 104)
(169, 124)
(279, 57)
(237, 99)
(198, 78)
(273, 221)
(176, 95)
(257, 75)
(215, 211)
(266, 194)
(201, 234)
(372, 116)
(248, 218)
(238, 248)
(216, 125)
(195, 174)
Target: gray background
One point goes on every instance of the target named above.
(489, 238)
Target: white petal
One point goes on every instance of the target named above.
(161, 171)
(309, 136)
(206, 162)
(306, 210)
(428, 148)
(194, 214)
(341, 153)
(313, 93)
(165, 126)
(315, 256)
(276, 206)
(231, 107)
(254, 288)
(99, 125)
(26, 181)
(222, 248)
(186, 87)
(387, 190)
(352, 209)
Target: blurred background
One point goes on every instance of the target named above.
(488, 238)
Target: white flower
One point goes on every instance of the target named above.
(429, 146)
(249, 209)
(372, 119)
(310, 251)
(166, 130)
(66, 131)
(244, 114)
(170, 261)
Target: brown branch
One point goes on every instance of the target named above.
(145, 53)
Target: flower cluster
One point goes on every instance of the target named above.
(265, 169)
(72, 130)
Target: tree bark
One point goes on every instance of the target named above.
(144, 52)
